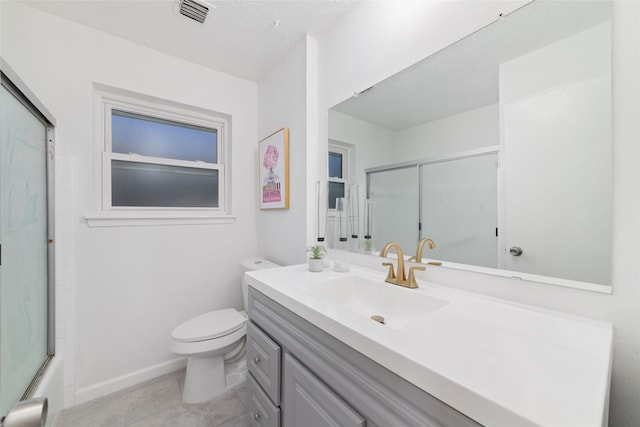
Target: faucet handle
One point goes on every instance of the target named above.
(391, 274)
(412, 275)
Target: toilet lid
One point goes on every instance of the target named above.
(208, 326)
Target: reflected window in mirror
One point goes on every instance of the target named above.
(338, 172)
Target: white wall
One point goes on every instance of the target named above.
(470, 130)
(286, 98)
(126, 288)
(365, 48)
(569, 138)
(372, 144)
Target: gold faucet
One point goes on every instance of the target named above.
(418, 257)
(399, 279)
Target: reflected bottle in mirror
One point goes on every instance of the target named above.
(341, 251)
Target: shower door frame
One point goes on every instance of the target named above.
(420, 163)
(17, 88)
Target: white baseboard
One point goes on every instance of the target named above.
(103, 388)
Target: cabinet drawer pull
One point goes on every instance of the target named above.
(257, 415)
(257, 360)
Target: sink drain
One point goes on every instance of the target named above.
(377, 318)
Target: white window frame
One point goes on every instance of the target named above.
(335, 147)
(110, 99)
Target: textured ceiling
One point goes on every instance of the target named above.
(242, 38)
(464, 76)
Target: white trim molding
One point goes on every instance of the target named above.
(108, 98)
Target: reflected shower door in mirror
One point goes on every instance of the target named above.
(459, 210)
(395, 199)
(454, 202)
(533, 87)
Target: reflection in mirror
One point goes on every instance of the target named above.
(396, 209)
(502, 140)
(337, 176)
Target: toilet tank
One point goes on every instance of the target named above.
(252, 264)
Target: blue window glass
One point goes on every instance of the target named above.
(147, 136)
(335, 165)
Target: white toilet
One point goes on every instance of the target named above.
(211, 340)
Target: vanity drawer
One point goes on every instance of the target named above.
(263, 359)
(261, 411)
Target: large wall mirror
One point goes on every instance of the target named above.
(498, 148)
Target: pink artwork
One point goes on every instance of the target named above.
(274, 171)
(270, 157)
(271, 184)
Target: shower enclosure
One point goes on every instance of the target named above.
(26, 302)
(453, 201)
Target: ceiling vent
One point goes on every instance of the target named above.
(196, 10)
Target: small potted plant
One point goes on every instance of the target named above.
(315, 260)
(367, 246)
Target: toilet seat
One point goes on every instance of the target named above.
(209, 326)
(211, 341)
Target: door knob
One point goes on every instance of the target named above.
(515, 250)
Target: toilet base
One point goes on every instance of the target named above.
(204, 379)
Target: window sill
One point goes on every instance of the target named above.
(137, 219)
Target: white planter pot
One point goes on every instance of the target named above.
(315, 265)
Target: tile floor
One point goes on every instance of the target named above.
(158, 403)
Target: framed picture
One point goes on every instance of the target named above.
(274, 170)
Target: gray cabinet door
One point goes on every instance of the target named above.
(263, 360)
(307, 402)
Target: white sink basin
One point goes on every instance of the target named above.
(397, 305)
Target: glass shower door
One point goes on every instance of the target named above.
(459, 210)
(23, 236)
(395, 194)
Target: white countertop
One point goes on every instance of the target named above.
(498, 362)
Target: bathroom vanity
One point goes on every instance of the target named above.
(442, 357)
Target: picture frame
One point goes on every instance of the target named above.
(273, 155)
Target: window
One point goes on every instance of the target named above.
(152, 163)
(338, 162)
(161, 156)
